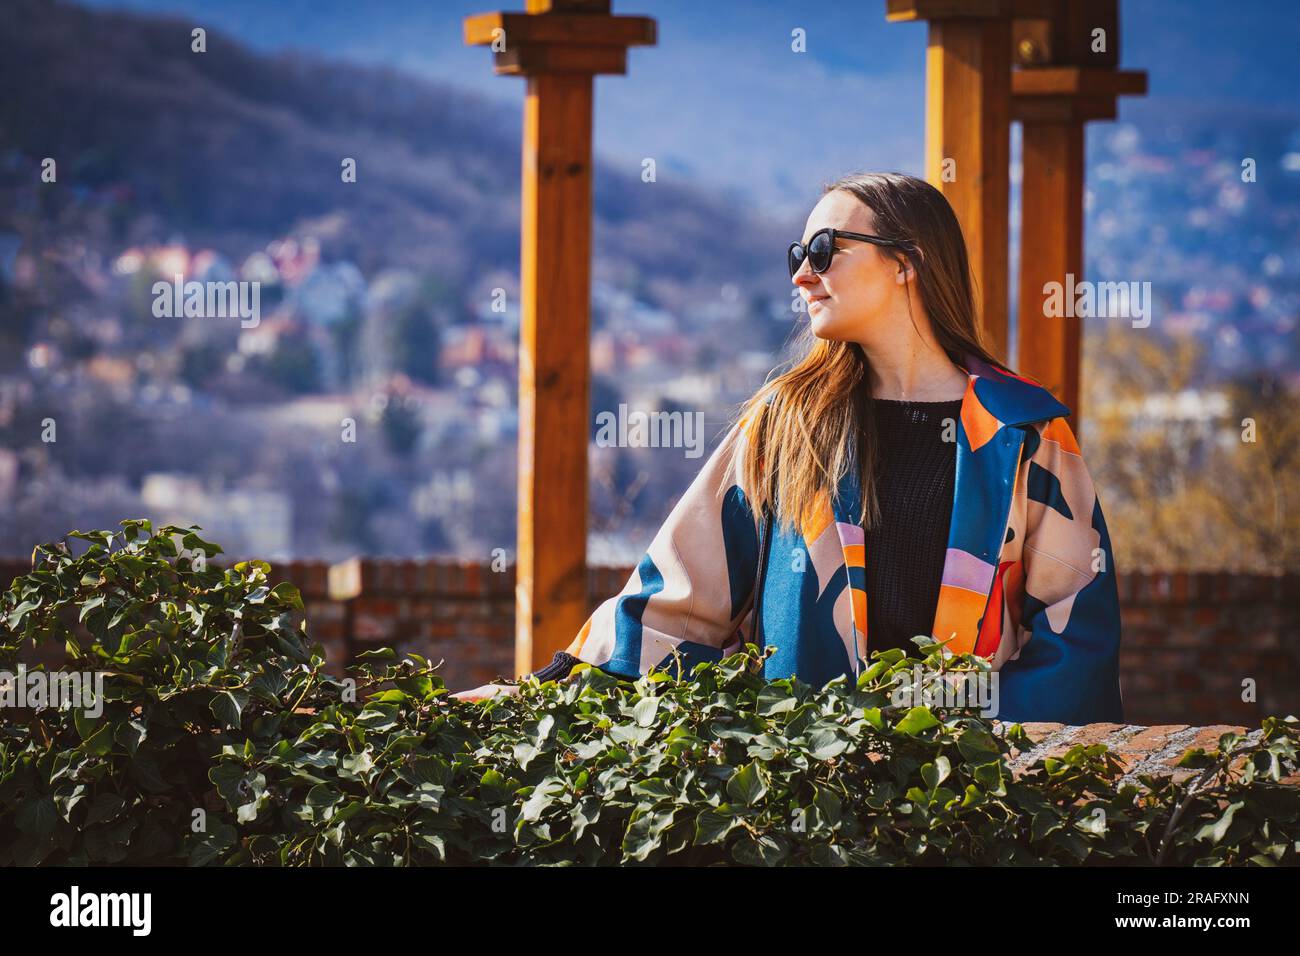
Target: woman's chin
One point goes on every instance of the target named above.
(823, 325)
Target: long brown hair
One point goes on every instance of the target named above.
(807, 420)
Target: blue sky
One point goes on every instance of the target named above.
(723, 100)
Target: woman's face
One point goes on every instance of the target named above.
(856, 298)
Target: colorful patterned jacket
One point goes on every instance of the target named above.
(1028, 578)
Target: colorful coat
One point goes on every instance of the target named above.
(1028, 578)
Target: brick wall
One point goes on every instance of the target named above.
(1190, 639)
(461, 613)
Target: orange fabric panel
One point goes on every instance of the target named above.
(979, 424)
(957, 613)
(1059, 431)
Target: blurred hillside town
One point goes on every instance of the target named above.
(108, 411)
(199, 419)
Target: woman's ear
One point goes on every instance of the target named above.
(906, 268)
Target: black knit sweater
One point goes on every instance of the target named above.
(915, 475)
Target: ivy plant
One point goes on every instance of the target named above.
(221, 739)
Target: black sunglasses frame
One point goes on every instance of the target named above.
(794, 267)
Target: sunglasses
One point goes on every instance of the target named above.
(820, 249)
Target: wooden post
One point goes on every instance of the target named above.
(559, 45)
(967, 134)
(1067, 51)
(1051, 248)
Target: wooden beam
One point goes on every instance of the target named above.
(554, 403)
(521, 29)
(1062, 109)
(561, 58)
(1078, 81)
(568, 6)
(1051, 249)
(967, 120)
(900, 11)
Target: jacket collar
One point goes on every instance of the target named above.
(1009, 398)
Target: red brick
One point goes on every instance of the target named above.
(1152, 738)
(1207, 616)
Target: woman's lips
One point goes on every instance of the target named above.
(815, 300)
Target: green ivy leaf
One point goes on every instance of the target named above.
(645, 710)
(936, 773)
(36, 815)
(228, 707)
(100, 742)
(748, 784)
(1215, 832)
(916, 720)
(713, 825)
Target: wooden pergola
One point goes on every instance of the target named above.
(988, 63)
(1052, 66)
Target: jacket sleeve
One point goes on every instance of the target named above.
(1067, 667)
(692, 588)
(558, 669)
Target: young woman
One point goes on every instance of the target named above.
(917, 487)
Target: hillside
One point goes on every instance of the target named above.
(231, 148)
